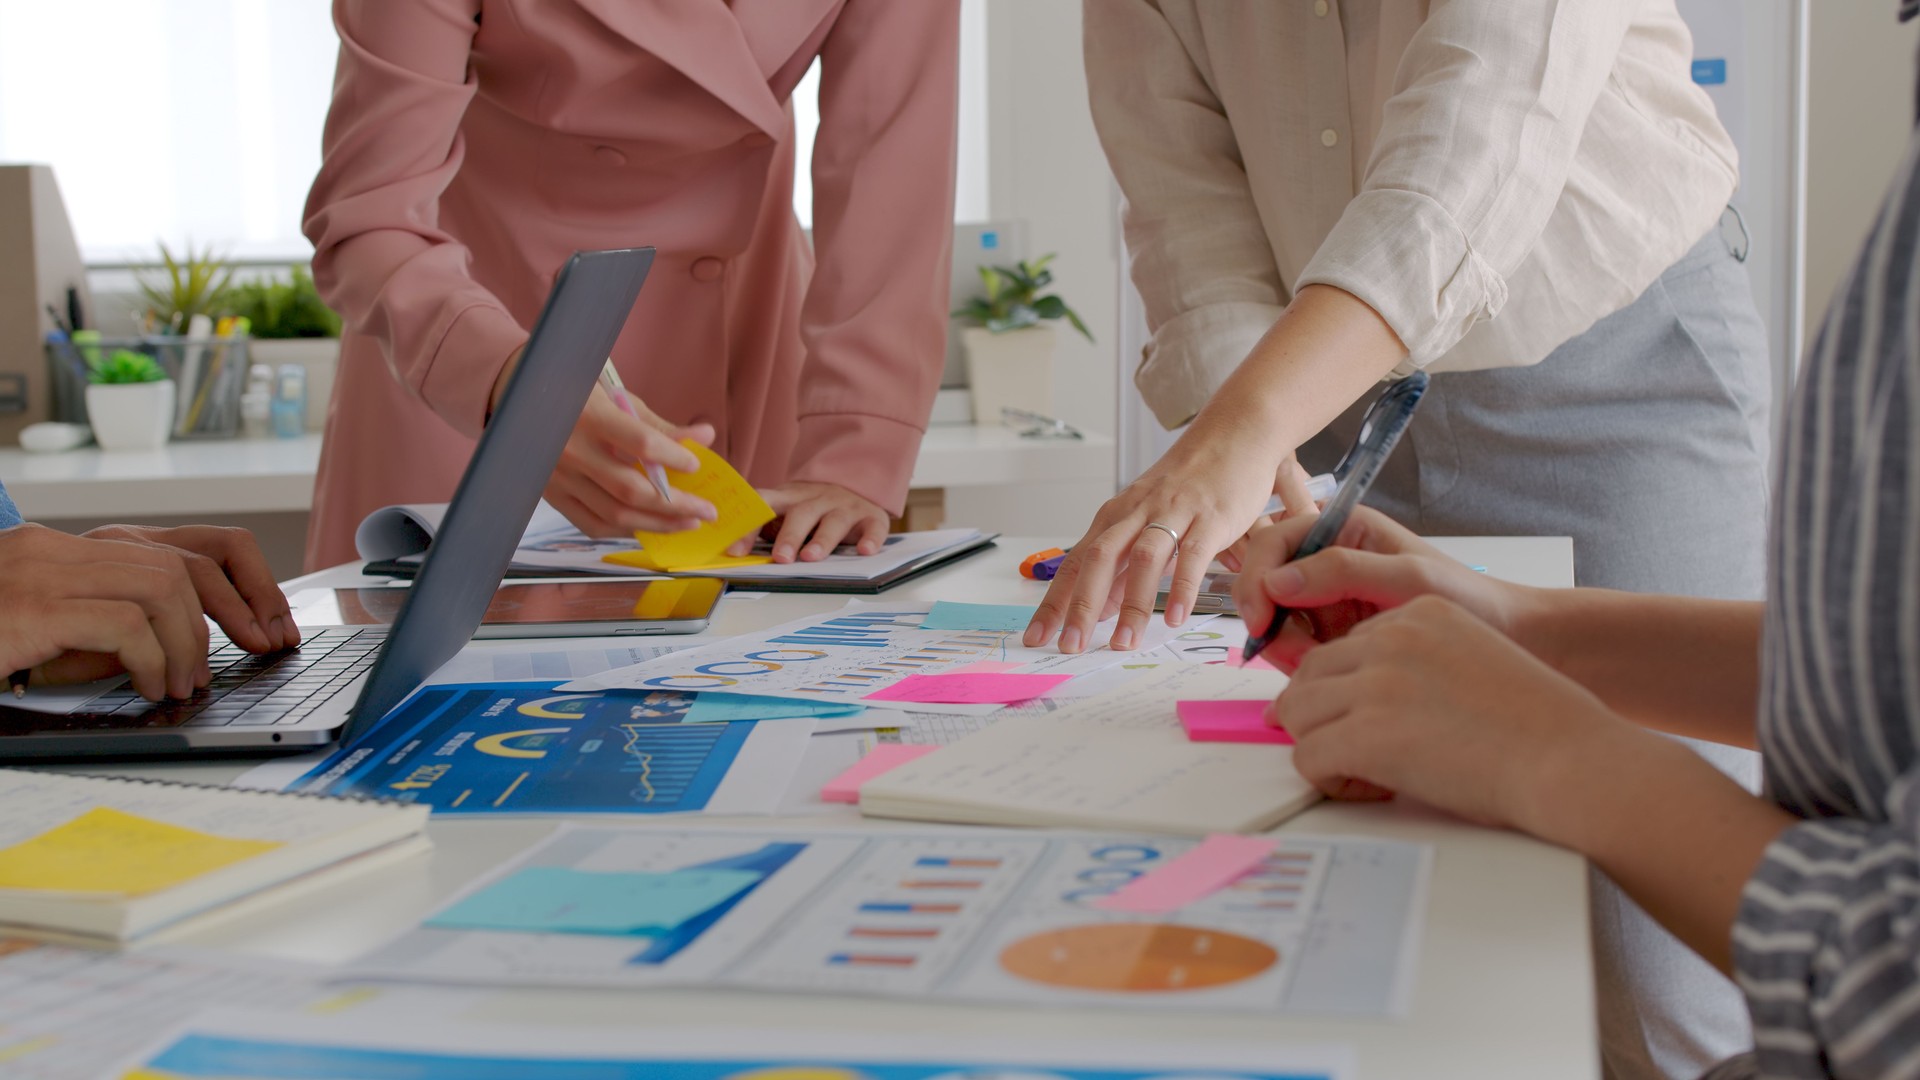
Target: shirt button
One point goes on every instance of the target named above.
(707, 269)
(757, 140)
(610, 155)
(1320, 8)
(1329, 138)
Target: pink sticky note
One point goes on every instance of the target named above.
(980, 667)
(993, 688)
(882, 758)
(1218, 862)
(1230, 721)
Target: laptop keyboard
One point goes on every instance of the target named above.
(258, 691)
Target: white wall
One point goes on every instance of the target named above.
(1860, 105)
(1045, 167)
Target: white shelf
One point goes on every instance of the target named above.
(214, 476)
(263, 476)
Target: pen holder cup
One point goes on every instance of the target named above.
(209, 375)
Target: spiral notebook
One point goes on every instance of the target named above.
(107, 859)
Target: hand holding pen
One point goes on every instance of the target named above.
(600, 483)
(1380, 432)
(617, 390)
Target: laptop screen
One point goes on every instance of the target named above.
(584, 314)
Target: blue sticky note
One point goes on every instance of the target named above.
(1710, 72)
(560, 900)
(712, 708)
(946, 616)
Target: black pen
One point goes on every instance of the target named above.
(18, 680)
(1380, 430)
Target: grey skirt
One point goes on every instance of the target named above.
(1646, 440)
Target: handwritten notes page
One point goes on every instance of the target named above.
(742, 510)
(1119, 760)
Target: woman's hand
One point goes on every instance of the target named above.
(816, 518)
(1376, 565)
(1429, 701)
(1290, 483)
(74, 609)
(600, 484)
(230, 576)
(1206, 490)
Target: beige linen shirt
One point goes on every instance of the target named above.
(1492, 176)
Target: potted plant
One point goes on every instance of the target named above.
(195, 283)
(1009, 343)
(290, 324)
(129, 401)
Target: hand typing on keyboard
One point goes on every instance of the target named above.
(134, 599)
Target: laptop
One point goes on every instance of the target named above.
(342, 680)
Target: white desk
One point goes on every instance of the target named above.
(1505, 983)
(264, 476)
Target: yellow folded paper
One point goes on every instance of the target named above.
(742, 511)
(108, 851)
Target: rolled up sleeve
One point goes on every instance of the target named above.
(874, 323)
(1827, 946)
(1490, 103)
(391, 147)
(1197, 251)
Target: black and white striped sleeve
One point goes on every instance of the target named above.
(1827, 946)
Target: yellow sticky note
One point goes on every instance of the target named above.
(742, 510)
(108, 851)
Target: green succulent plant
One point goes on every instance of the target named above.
(284, 309)
(194, 283)
(124, 366)
(1012, 299)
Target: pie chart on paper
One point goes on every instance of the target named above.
(1137, 958)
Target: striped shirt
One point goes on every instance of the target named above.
(1827, 942)
(9, 517)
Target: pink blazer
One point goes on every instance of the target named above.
(472, 145)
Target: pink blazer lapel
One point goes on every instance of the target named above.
(785, 35)
(730, 53)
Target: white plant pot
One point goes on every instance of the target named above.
(131, 416)
(1010, 369)
(321, 358)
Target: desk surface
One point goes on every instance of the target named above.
(257, 476)
(1504, 986)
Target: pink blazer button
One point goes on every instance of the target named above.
(757, 140)
(707, 269)
(610, 155)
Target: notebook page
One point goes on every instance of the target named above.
(1117, 760)
(31, 803)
